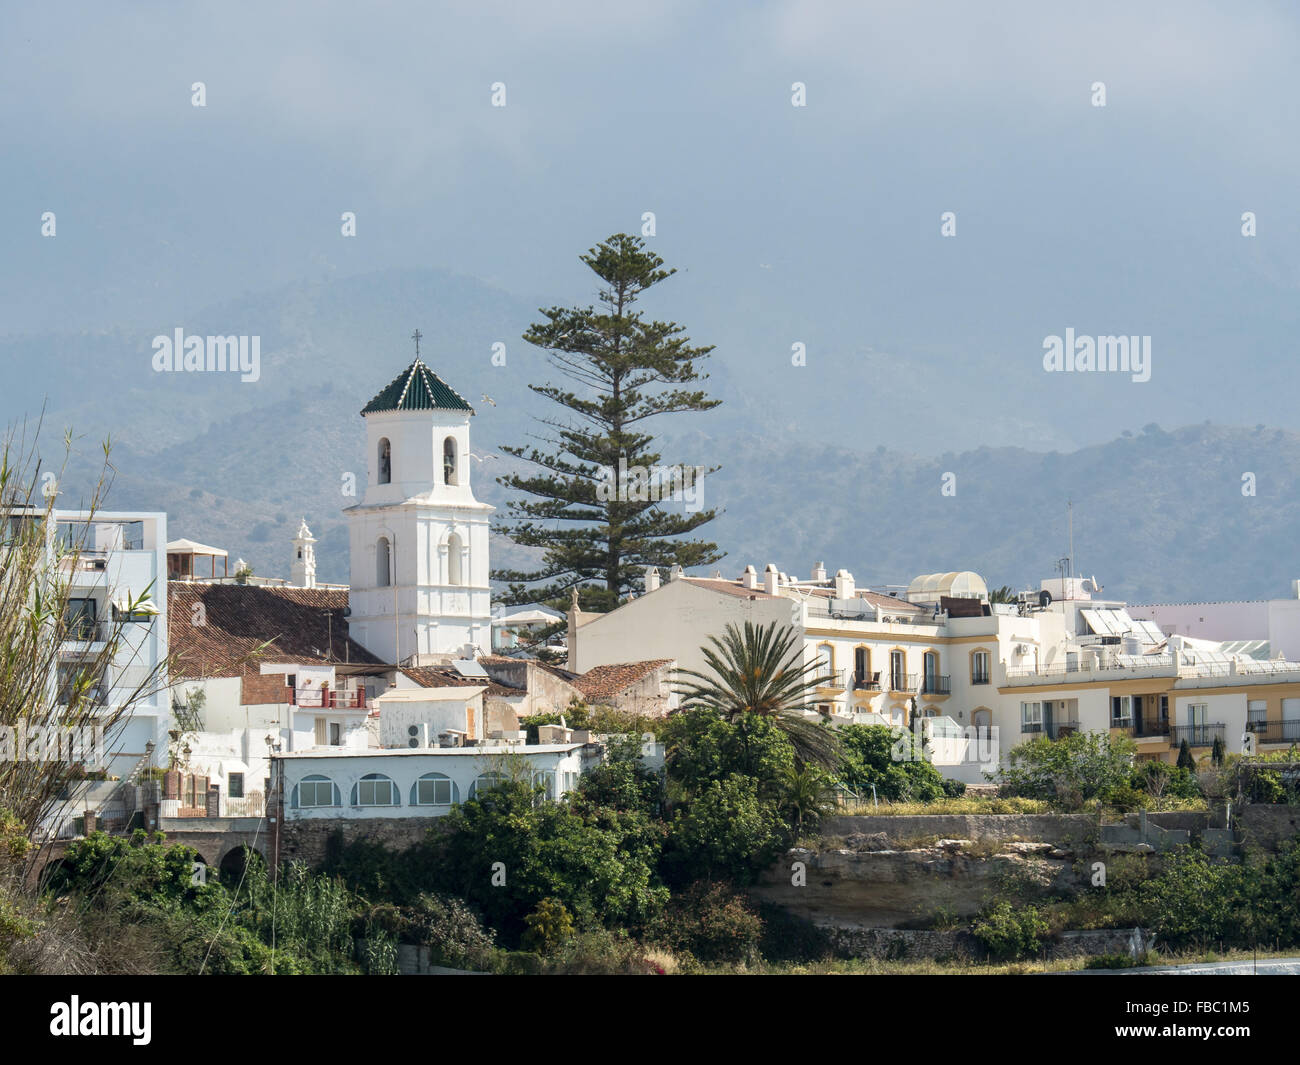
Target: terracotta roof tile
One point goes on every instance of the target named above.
(604, 682)
(435, 677)
(302, 625)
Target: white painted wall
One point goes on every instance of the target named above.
(404, 768)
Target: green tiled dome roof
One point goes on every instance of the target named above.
(417, 388)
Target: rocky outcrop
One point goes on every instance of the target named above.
(867, 886)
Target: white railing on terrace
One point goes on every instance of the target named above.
(1155, 665)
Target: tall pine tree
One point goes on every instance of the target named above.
(621, 371)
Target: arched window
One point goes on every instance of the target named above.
(861, 667)
(454, 547)
(449, 472)
(315, 790)
(825, 664)
(931, 663)
(385, 461)
(434, 789)
(383, 576)
(982, 719)
(374, 789)
(485, 782)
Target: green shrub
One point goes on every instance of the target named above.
(548, 926)
(725, 832)
(713, 922)
(1009, 931)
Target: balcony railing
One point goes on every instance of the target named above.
(903, 682)
(1196, 735)
(1158, 727)
(1275, 731)
(980, 678)
(328, 699)
(936, 685)
(865, 682)
(831, 678)
(1054, 730)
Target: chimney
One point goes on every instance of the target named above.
(844, 587)
(771, 578)
(749, 579)
(676, 573)
(819, 571)
(651, 578)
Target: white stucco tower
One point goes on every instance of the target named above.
(302, 572)
(419, 538)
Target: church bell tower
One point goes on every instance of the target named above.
(419, 538)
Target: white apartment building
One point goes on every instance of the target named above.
(119, 578)
(1262, 628)
(1062, 659)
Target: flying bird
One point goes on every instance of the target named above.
(489, 399)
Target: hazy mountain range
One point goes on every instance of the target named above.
(1159, 513)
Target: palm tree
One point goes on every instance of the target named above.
(760, 671)
(1005, 594)
(809, 795)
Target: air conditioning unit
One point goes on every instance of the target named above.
(1022, 648)
(417, 736)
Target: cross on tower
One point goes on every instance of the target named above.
(416, 337)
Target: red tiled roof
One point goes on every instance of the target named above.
(301, 625)
(435, 677)
(604, 682)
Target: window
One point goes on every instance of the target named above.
(825, 663)
(897, 678)
(979, 667)
(320, 733)
(570, 781)
(1121, 711)
(449, 461)
(236, 785)
(1164, 708)
(374, 789)
(291, 680)
(317, 791)
(385, 461)
(545, 779)
(1196, 715)
(1031, 717)
(1256, 714)
(982, 719)
(454, 548)
(861, 665)
(383, 577)
(434, 789)
(485, 782)
(336, 734)
(79, 617)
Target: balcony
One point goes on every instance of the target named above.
(981, 678)
(1196, 735)
(865, 683)
(1275, 731)
(327, 699)
(832, 678)
(936, 685)
(903, 682)
(1145, 729)
(1053, 730)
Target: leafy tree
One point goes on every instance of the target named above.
(621, 371)
(1078, 767)
(703, 747)
(1005, 594)
(759, 672)
(890, 759)
(1009, 930)
(598, 862)
(726, 832)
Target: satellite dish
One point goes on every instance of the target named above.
(1044, 599)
